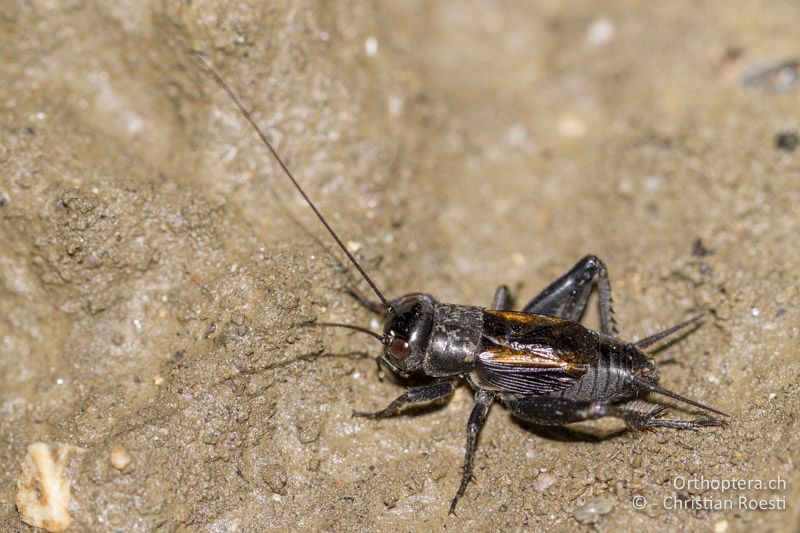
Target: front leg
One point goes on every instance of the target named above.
(483, 400)
(427, 393)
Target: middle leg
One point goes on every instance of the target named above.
(483, 400)
(502, 300)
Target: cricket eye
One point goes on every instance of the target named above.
(400, 349)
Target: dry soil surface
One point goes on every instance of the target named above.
(156, 267)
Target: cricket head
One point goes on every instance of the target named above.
(406, 333)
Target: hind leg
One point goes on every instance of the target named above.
(637, 414)
(567, 296)
(554, 411)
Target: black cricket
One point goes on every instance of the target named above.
(541, 363)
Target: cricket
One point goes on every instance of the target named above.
(539, 362)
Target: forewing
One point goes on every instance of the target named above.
(525, 373)
(532, 354)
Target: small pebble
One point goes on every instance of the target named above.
(371, 46)
(308, 431)
(119, 457)
(544, 481)
(604, 474)
(390, 501)
(699, 249)
(787, 141)
(571, 126)
(780, 77)
(652, 183)
(591, 511)
(275, 476)
(600, 32)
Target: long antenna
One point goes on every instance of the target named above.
(349, 326)
(246, 114)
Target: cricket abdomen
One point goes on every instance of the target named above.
(608, 379)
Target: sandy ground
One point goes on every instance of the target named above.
(154, 265)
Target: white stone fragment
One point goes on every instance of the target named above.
(43, 493)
